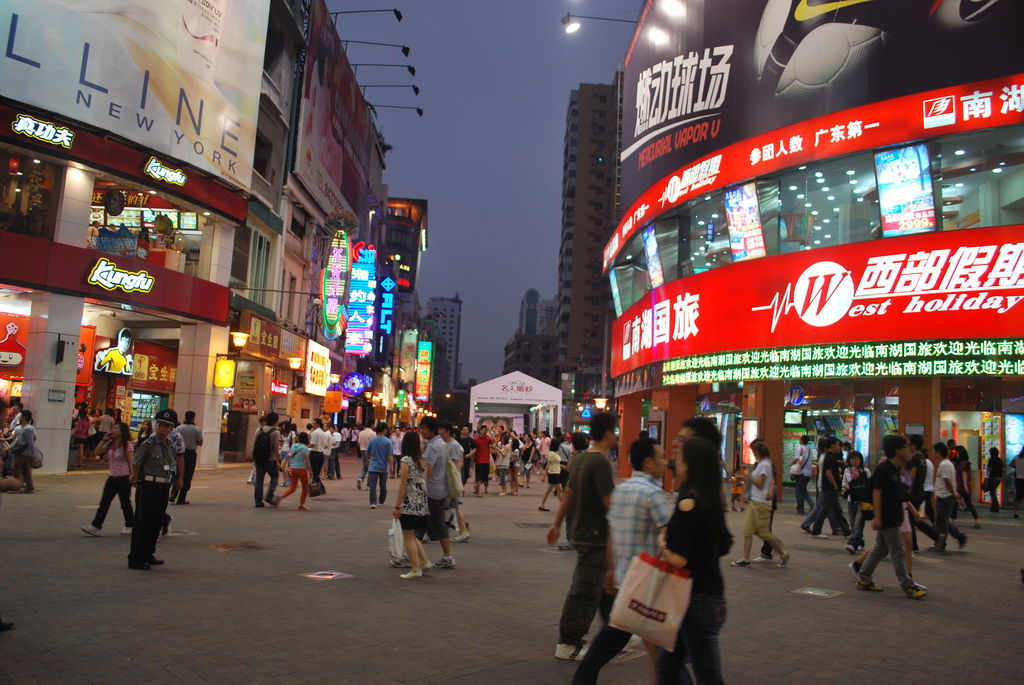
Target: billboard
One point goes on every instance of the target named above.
(335, 137)
(746, 237)
(179, 77)
(905, 195)
(951, 284)
(724, 71)
(424, 369)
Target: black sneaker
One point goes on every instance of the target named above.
(138, 565)
(5, 626)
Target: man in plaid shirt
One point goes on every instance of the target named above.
(639, 510)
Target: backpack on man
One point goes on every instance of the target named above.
(261, 448)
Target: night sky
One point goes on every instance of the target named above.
(495, 78)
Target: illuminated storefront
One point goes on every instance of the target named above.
(817, 246)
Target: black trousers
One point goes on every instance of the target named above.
(150, 509)
(120, 487)
(316, 461)
(263, 469)
(190, 470)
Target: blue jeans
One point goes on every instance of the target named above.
(801, 493)
(698, 640)
(857, 517)
(827, 507)
(381, 479)
(333, 465)
(264, 468)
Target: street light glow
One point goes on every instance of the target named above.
(673, 8)
(657, 36)
(570, 24)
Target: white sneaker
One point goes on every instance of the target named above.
(569, 652)
(91, 530)
(820, 536)
(427, 566)
(373, 506)
(759, 559)
(411, 573)
(445, 562)
(461, 537)
(127, 530)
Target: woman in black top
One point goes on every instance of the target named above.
(696, 538)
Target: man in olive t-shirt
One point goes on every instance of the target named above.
(589, 496)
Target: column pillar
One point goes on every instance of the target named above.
(920, 402)
(49, 387)
(765, 400)
(679, 402)
(629, 428)
(193, 391)
(75, 206)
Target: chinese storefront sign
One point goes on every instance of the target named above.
(264, 338)
(106, 274)
(424, 369)
(156, 368)
(902, 288)
(361, 300)
(318, 368)
(43, 131)
(863, 360)
(332, 287)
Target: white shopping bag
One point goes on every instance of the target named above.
(652, 601)
(396, 545)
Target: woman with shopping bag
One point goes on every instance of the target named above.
(695, 540)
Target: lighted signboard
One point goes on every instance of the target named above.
(1014, 427)
(387, 305)
(862, 433)
(333, 285)
(361, 300)
(965, 283)
(108, 276)
(117, 359)
(278, 388)
(905, 195)
(653, 260)
(318, 368)
(746, 238)
(158, 170)
(424, 369)
(354, 384)
(43, 130)
(613, 276)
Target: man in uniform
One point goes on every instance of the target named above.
(153, 468)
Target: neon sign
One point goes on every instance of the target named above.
(361, 300)
(43, 130)
(354, 384)
(155, 169)
(387, 304)
(278, 388)
(424, 369)
(108, 276)
(332, 287)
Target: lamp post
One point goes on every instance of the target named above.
(417, 109)
(403, 48)
(571, 23)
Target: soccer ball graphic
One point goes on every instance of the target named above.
(807, 47)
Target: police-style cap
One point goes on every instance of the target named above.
(168, 416)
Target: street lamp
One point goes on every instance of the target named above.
(571, 24)
(295, 363)
(408, 67)
(239, 339)
(418, 110)
(404, 48)
(415, 89)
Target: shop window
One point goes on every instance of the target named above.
(29, 195)
(240, 256)
(259, 268)
(130, 222)
(263, 154)
(982, 178)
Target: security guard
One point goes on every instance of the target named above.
(153, 468)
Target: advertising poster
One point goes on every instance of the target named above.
(862, 433)
(335, 135)
(179, 77)
(746, 238)
(790, 444)
(991, 436)
(728, 70)
(1014, 434)
(751, 432)
(653, 260)
(905, 194)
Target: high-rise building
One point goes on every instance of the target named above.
(447, 312)
(537, 316)
(588, 216)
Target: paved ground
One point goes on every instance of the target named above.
(248, 616)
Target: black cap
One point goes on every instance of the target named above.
(167, 416)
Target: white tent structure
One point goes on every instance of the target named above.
(514, 395)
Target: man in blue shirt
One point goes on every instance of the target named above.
(436, 456)
(378, 452)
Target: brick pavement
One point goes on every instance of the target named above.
(247, 615)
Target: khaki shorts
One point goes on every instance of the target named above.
(758, 520)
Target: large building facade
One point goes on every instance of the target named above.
(588, 212)
(821, 230)
(446, 312)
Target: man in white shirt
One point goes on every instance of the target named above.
(319, 446)
(946, 496)
(805, 457)
(759, 511)
(333, 465)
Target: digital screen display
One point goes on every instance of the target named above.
(793, 418)
(820, 426)
(905, 195)
(862, 432)
(653, 260)
(613, 277)
(889, 424)
(746, 238)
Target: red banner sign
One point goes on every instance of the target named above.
(954, 284)
(156, 367)
(969, 107)
(14, 348)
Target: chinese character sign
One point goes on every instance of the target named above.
(424, 369)
(318, 368)
(362, 297)
(333, 286)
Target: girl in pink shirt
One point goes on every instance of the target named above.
(116, 447)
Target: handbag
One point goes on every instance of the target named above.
(37, 459)
(316, 488)
(652, 601)
(453, 480)
(795, 469)
(251, 480)
(396, 544)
